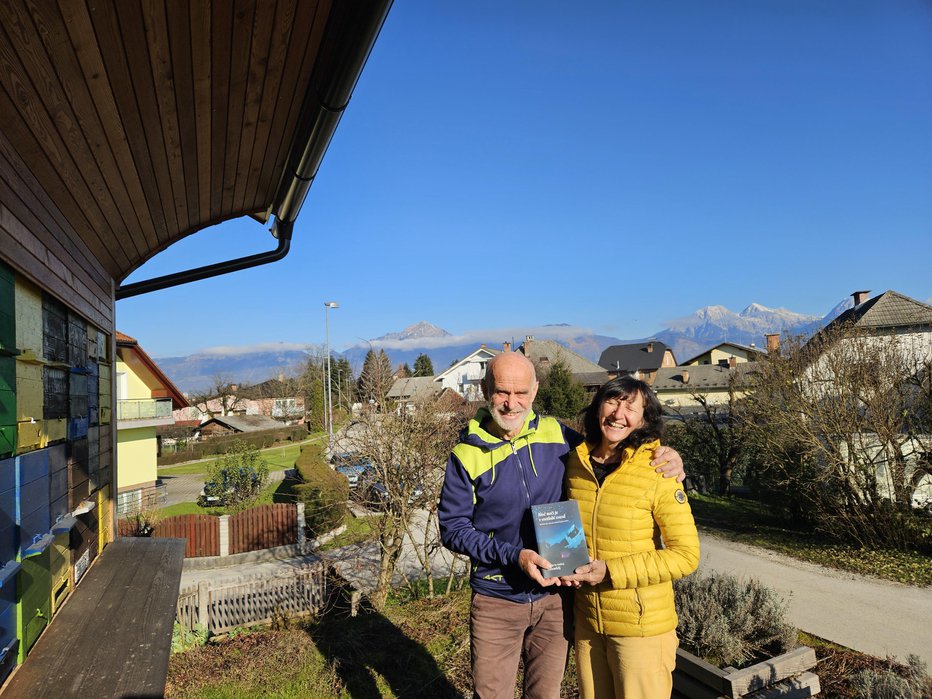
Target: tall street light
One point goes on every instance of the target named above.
(328, 401)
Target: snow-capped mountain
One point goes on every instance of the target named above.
(415, 332)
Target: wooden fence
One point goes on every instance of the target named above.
(201, 531)
(784, 676)
(226, 607)
(263, 527)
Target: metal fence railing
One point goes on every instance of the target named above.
(144, 408)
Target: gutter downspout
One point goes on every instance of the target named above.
(351, 31)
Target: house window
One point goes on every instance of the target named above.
(129, 502)
(122, 386)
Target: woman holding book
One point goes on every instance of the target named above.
(625, 618)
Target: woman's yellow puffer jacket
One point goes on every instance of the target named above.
(624, 521)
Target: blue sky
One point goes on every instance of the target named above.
(608, 165)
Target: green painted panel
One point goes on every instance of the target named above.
(7, 407)
(7, 308)
(34, 592)
(7, 373)
(7, 440)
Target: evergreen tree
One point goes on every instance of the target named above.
(375, 380)
(423, 366)
(406, 370)
(560, 395)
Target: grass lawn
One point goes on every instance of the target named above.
(358, 530)
(750, 522)
(279, 458)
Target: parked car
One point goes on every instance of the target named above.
(351, 466)
(377, 493)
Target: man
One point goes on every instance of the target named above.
(509, 459)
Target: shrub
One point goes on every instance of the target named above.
(220, 445)
(238, 477)
(324, 492)
(729, 622)
(912, 683)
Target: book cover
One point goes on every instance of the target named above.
(560, 537)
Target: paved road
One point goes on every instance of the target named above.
(187, 487)
(866, 614)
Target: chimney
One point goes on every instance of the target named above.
(650, 346)
(685, 376)
(506, 347)
(860, 297)
(482, 346)
(732, 362)
(773, 343)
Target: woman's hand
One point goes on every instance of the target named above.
(668, 462)
(592, 573)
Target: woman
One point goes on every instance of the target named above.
(625, 619)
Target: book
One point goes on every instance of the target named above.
(560, 537)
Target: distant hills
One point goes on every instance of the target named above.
(687, 337)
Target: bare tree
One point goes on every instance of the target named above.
(842, 424)
(407, 452)
(219, 399)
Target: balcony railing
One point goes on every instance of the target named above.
(144, 409)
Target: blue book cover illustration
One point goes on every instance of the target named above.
(560, 537)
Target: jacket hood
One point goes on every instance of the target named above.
(477, 436)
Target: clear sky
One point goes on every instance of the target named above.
(612, 165)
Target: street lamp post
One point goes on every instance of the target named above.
(328, 401)
(340, 388)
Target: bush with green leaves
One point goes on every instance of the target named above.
(184, 639)
(237, 478)
(324, 492)
(912, 683)
(727, 621)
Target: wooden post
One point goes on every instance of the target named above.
(224, 534)
(302, 535)
(203, 602)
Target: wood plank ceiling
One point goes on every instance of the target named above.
(147, 120)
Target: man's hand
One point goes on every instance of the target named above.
(531, 562)
(669, 463)
(592, 573)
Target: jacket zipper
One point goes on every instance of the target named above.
(527, 489)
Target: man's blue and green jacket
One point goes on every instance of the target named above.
(485, 502)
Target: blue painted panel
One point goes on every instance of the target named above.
(58, 508)
(8, 612)
(58, 484)
(34, 525)
(77, 427)
(8, 474)
(33, 497)
(33, 466)
(58, 459)
(7, 540)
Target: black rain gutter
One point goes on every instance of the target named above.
(352, 28)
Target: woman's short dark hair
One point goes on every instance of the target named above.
(625, 387)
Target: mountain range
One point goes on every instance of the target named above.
(686, 336)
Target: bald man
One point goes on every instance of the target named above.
(508, 459)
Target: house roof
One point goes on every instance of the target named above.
(542, 351)
(702, 377)
(592, 378)
(633, 357)
(245, 423)
(888, 310)
(488, 351)
(131, 344)
(145, 122)
(414, 388)
(746, 348)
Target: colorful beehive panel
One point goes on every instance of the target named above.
(104, 517)
(9, 643)
(83, 543)
(7, 309)
(34, 589)
(8, 413)
(77, 413)
(29, 404)
(78, 485)
(32, 485)
(104, 469)
(28, 318)
(104, 396)
(58, 483)
(54, 330)
(77, 341)
(93, 457)
(93, 393)
(8, 526)
(60, 569)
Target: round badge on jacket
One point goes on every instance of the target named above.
(680, 497)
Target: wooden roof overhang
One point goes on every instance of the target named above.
(147, 121)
